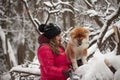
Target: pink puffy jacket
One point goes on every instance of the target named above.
(51, 65)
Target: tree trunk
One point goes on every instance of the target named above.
(72, 22)
(64, 18)
(7, 55)
(21, 53)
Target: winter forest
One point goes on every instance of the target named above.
(19, 22)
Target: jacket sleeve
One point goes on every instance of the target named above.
(46, 59)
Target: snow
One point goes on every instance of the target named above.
(56, 8)
(51, 4)
(59, 10)
(96, 68)
(93, 1)
(30, 68)
(117, 75)
(1, 12)
(66, 9)
(5, 76)
(26, 70)
(2, 36)
(94, 38)
(88, 3)
(64, 34)
(91, 13)
(11, 54)
(48, 4)
(113, 60)
(117, 23)
(38, 1)
(108, 33)
(92, 49)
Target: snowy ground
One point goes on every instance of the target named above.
(96, 68)
(5, 76)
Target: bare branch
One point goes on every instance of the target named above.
(30, 16)
(96, 18)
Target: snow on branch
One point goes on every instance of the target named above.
(99, 67)
(93, 1)
(65, 35)
(96, 68)
(92, 13)
(107, 23)
(30, 16)
(30, 71)
(2, 37)
(108, 3)
(88, 4)
(92, 49)
(48, 4)
(52, 4)
(58, 10)
(93, 45)
(107, 35)
(11, 54)
(7, 48)
(94, 40)
(55, 5)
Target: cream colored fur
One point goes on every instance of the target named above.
(75, 51)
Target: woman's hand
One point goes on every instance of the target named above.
(66, 73)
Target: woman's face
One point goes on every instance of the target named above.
(58, 39)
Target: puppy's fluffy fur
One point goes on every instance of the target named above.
(77, 45)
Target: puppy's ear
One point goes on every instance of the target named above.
(87, 31)
(72, 34)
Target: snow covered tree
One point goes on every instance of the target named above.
(99, 17)
(19, 21)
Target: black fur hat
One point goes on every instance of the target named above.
(51, 30)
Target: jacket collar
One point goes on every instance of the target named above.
(42, 39)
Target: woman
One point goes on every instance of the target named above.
(54, 64)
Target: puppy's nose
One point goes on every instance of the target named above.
(79, 43)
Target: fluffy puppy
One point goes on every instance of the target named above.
(77, 45)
